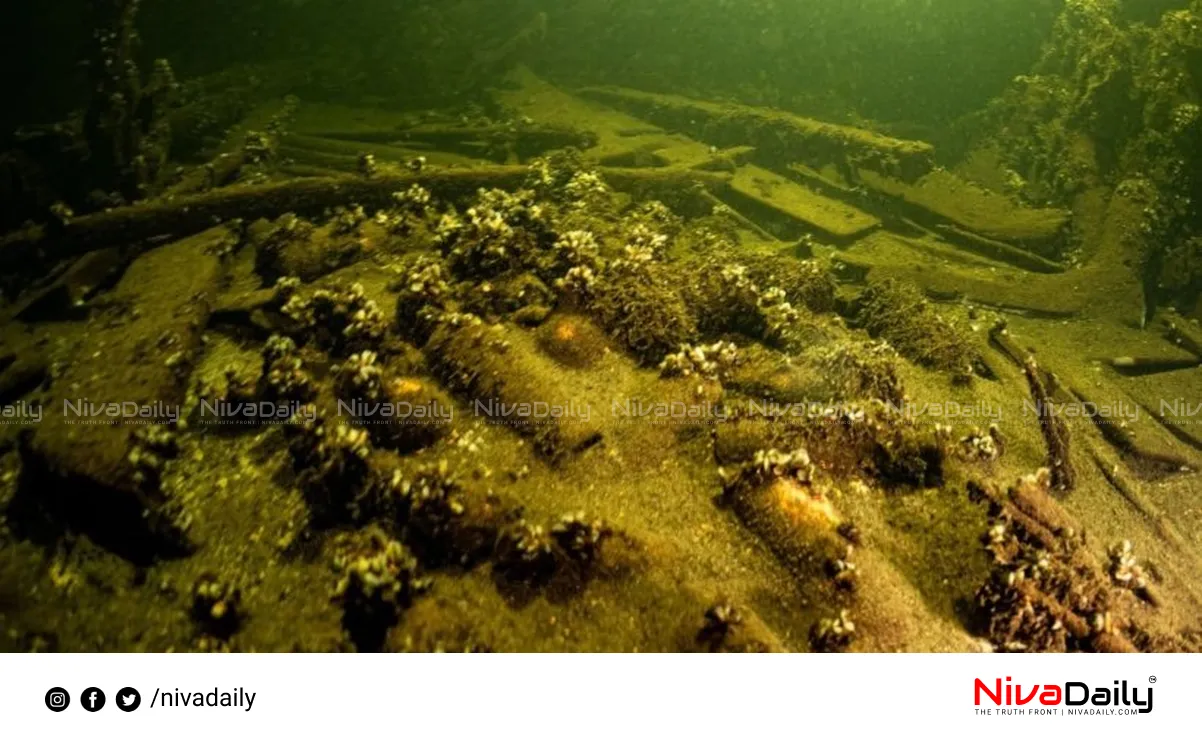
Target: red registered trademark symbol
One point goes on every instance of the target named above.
(1151, 679)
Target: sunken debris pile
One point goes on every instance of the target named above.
(492, 299)
(426, 304)
(1047, 592)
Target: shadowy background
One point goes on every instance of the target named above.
(919, 61)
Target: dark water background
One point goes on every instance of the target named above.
(917, 61)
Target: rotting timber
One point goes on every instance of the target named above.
(639, 272)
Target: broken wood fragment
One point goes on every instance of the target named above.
(1148, 462)
(233, 154)
(779, 136)
(797, 209)
(312, 196)
(1055, 431)
(1180, 333)
(1135, 366)
(998, 251)
(85, 465)
(525, 141)
(1122, 485)
(316, 150)
(65, 297)
(942, 199)
(737, 216)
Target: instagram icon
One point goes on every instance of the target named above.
(57, 699)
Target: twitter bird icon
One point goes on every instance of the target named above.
(128, 699)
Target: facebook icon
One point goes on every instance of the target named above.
(92, 699)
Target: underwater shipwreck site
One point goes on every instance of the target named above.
(602, 326)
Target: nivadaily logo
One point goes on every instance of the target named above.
(1071, 698)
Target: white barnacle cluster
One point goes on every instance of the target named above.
(460, 320)
(706, 240)
(415, 198)
(448, 228)
(850, 414)
(578, 281)
(578, 537)
(584, 185)
(541, 177)
(1030, 565)
(346, 221)
(366, 321)
(422, 293)
(844, 573)
(426, 280)
(284, 376)
(489, 224)
(152, 446)
(368, 167)
(285, 288)
(980, 446)
(705, 361)
(645, 243)
(157, 437)
(1125, 570)
(490, 229)
(833, 633)
(735, 274)
(361, 375)
(530, 541)
(278, 347)
(390, 221)
(470, 440)
(388, 574)
(344, 445)
(738, 288)
(518, 209)
(576, 246)
(215, 598)
(723, 617)
(635, 257)
(430, 486)
(63, 213)
(350, 314)
(366, 324)
(299, 310)
(1040, 478)
(410, 204)
(294, 226)
(656, 214)
(1185, 116)
(145, 464)
(773, 296)
(525, 553)
(779, 315)
(772, 463)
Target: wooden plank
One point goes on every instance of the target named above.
(948, 274)
(756, 189)
(941, 197)
(782, 136)
(621, 139)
